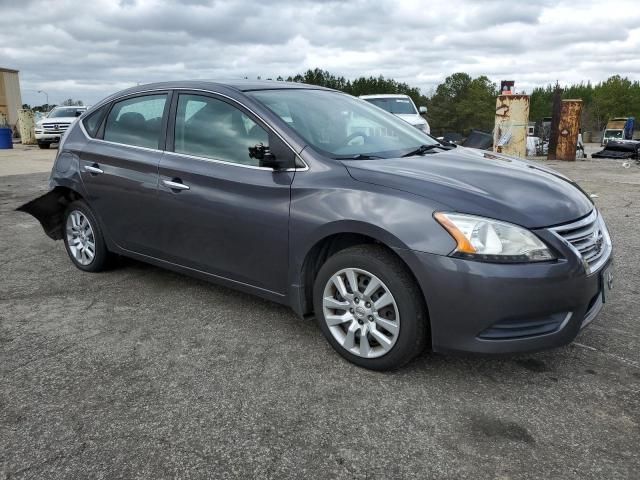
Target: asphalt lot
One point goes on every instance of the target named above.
(144, 373)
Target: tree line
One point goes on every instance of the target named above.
(69, 102)
(462, 103)
(358, 86)
(616, 96)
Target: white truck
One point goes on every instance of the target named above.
(51, 128)
(401, 106)
(614, 130)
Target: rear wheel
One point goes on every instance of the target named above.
(369, 308)
(83, 239)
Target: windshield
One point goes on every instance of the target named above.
(65, 112)
(613, 134)
(342, 126)
(394, 105)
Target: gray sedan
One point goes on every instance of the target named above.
(320, 201)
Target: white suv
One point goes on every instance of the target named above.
(401, 106)
(51, 128)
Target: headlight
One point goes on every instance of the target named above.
(489, 240)
(422, 127)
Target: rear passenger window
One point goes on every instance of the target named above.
(93, 121)
(136, 121)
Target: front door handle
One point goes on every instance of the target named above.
(175, 184)
(93, 169)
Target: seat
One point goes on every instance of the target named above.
(132, 121)
(131, 129)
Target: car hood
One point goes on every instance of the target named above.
(478, 182)
(59, 120)
(413, 119)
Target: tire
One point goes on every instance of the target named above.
(44, 146)
(81, 248)
(407, 312)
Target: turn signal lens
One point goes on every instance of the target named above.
(464, 245)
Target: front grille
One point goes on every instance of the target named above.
(55, 127)
(587, 237)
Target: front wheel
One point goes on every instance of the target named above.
(369, 308)
(44, 146)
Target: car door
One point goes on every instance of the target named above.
(119, 169)
(223, 213)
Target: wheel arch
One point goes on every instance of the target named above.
(333, 242)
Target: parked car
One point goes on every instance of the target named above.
(52, 127)
(403, 107)
(321, 201)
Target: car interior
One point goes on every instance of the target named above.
(216, 130)
(126, 124)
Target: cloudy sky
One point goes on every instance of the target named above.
(86, 49)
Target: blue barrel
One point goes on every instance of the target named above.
(6, 136)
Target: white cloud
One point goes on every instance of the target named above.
(88, 50)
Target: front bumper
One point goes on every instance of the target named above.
(49, 137)
(496, 308)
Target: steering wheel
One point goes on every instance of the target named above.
(355, 135)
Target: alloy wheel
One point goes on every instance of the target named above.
(361, 313)
(80, 238)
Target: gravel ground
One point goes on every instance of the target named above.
(23, 159)
(144, 373)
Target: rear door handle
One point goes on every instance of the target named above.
(93, 169)
(175, 185)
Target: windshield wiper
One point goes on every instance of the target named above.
(422, 149)
(359, 156)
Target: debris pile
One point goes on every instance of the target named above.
(620, 150)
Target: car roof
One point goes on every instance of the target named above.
(215, 86)
(239, 85)
(386, 95)
(58, 107)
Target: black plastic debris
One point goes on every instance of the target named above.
(479, 139)
(453, 137)
(619, 149)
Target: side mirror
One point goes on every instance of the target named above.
(267, 159)
(422, 110)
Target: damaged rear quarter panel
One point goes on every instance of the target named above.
(49, 211)
(66, 186)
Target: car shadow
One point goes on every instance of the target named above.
(491, 367)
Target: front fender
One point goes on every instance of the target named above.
(395, 218)
(326, 201)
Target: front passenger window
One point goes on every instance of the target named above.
(211, 128)
(136, 121)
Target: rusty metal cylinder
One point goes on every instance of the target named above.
(27, 127)
(568, 130)
(512, 120)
